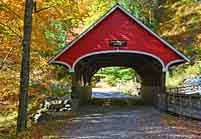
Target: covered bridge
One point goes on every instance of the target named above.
(119, 39)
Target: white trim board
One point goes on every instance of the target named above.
(174, 62)
(105, 16)
(119, 51)
(63, 63)
(164, 67)
(84, 33)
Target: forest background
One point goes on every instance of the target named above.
(57, 22)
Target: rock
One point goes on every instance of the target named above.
(52, 104)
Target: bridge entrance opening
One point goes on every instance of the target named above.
(147, 68)
(116, 82)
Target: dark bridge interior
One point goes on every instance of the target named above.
(148, 68)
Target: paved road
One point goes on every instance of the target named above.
(108, 93)
(137, 122)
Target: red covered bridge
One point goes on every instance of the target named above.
(119, 39)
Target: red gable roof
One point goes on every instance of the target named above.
(118, 24)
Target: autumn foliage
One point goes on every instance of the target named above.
(56, 22)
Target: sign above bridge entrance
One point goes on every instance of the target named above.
(118, 43)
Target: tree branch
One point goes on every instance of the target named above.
(19, 35)
(42, 9)
(2, 63)
(7, 7)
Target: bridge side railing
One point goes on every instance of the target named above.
(185, 101)
(185, 89)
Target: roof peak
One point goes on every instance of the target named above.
(109, 12)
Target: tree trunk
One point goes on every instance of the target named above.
(24, 75)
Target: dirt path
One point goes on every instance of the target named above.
(135, 122)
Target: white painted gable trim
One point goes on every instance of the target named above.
(105, 16)
(174, 62)
(84, 33)
(164, 67)
(119, 51)
(158, 37)
(63, 63)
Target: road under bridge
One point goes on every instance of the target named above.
(136, 122)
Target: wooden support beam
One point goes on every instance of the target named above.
(75, 86)
(75, 94)
(163, 82)
(162, 96)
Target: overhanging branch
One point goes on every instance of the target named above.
(2, 63)
(13, 12)
(6, 26)
(36, 10)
